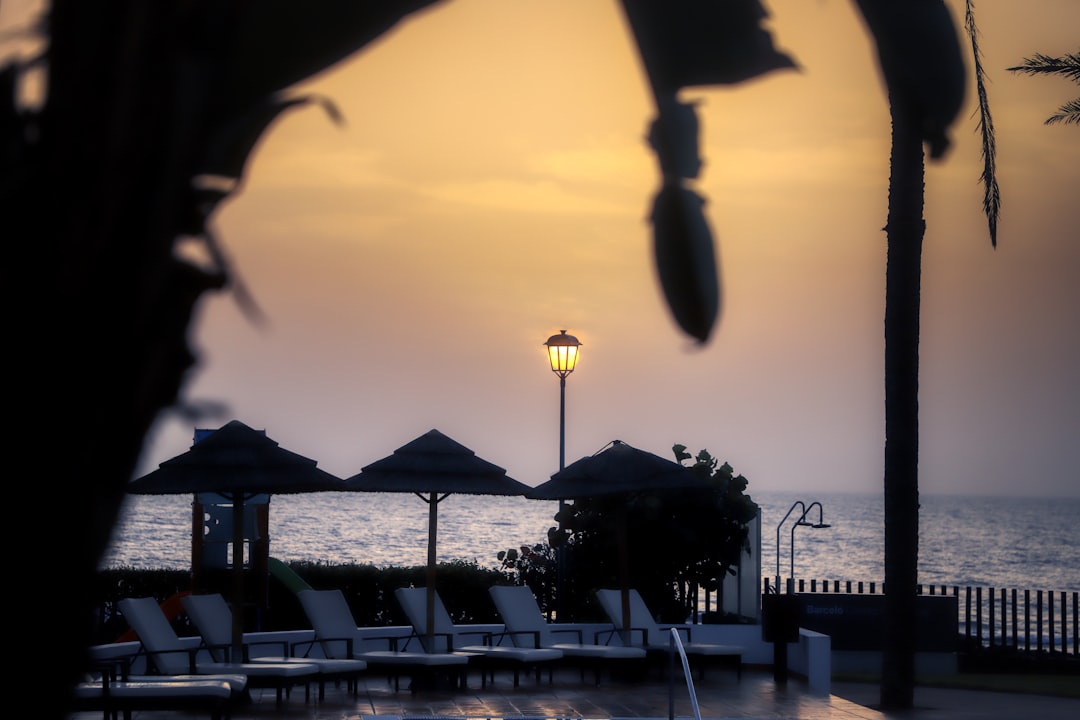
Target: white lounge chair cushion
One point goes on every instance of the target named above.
(600, 652)
(329, 614)
(237, 682)
(641, 619)
(171, 656)
(399, 657)
(518, 609)
(414, 602)
(511, 653)
(212, 616)
(291, 670)
(164, 689)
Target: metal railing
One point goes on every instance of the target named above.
(1023, 621)
(676, 648)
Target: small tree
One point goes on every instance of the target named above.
(535, 566)
(677, 540)
(726, 523)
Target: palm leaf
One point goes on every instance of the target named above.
(1069, 114)
(991, 191)
(1067, 65)
(1039, 64)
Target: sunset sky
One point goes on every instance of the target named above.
(490, 186)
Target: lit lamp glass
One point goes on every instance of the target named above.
(562, 353)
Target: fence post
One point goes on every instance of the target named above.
(1076, 624)
(1050, 618)
(1004, 620)
(1038, 620)
(1027, 620)
(990, 619)
(1014, 642)
(956, 594)
(1065, 624)
(978, 613)
(967, 615)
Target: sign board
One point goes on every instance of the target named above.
(856, 622)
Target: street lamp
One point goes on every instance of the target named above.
(803, 522)
(563, 355)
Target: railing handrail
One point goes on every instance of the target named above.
(676, 647)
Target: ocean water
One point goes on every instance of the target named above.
(999, 542)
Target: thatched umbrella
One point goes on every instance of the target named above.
(618, 469)
(237, 463)
(433, 466)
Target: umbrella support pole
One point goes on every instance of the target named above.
(433, 526)
(236, 651)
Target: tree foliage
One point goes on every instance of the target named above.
(147, 116)
(1067, 65)
(676, 540)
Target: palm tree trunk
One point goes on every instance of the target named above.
(905, 230)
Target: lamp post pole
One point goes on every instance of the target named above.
(782, 618)
(803, 522)
(802, 506)
(562, 427)
(563, 356)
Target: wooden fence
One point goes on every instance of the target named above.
(992, 618)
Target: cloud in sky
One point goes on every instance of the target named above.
(490, 187)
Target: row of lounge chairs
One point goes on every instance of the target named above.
(208, 677)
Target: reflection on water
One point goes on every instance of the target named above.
(997, 542)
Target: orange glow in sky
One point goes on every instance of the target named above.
(491, 186)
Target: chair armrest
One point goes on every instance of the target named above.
(151, 666)
(449, 637)
(111, 669)
(220, 651)
(682, 628)
(484, 635)
(323, 641)
(612, 631)
(393, 640)
(491, 638)
(284, 645)
(513, 634)
(574, 631)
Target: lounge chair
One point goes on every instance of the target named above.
(168, 655)
(212, 617)
(527, 627)
(338, 636)
(484, 646)
(112, 691)
(645, 632)
(128, 697)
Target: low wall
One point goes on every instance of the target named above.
(812, 658)
(861, 662)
